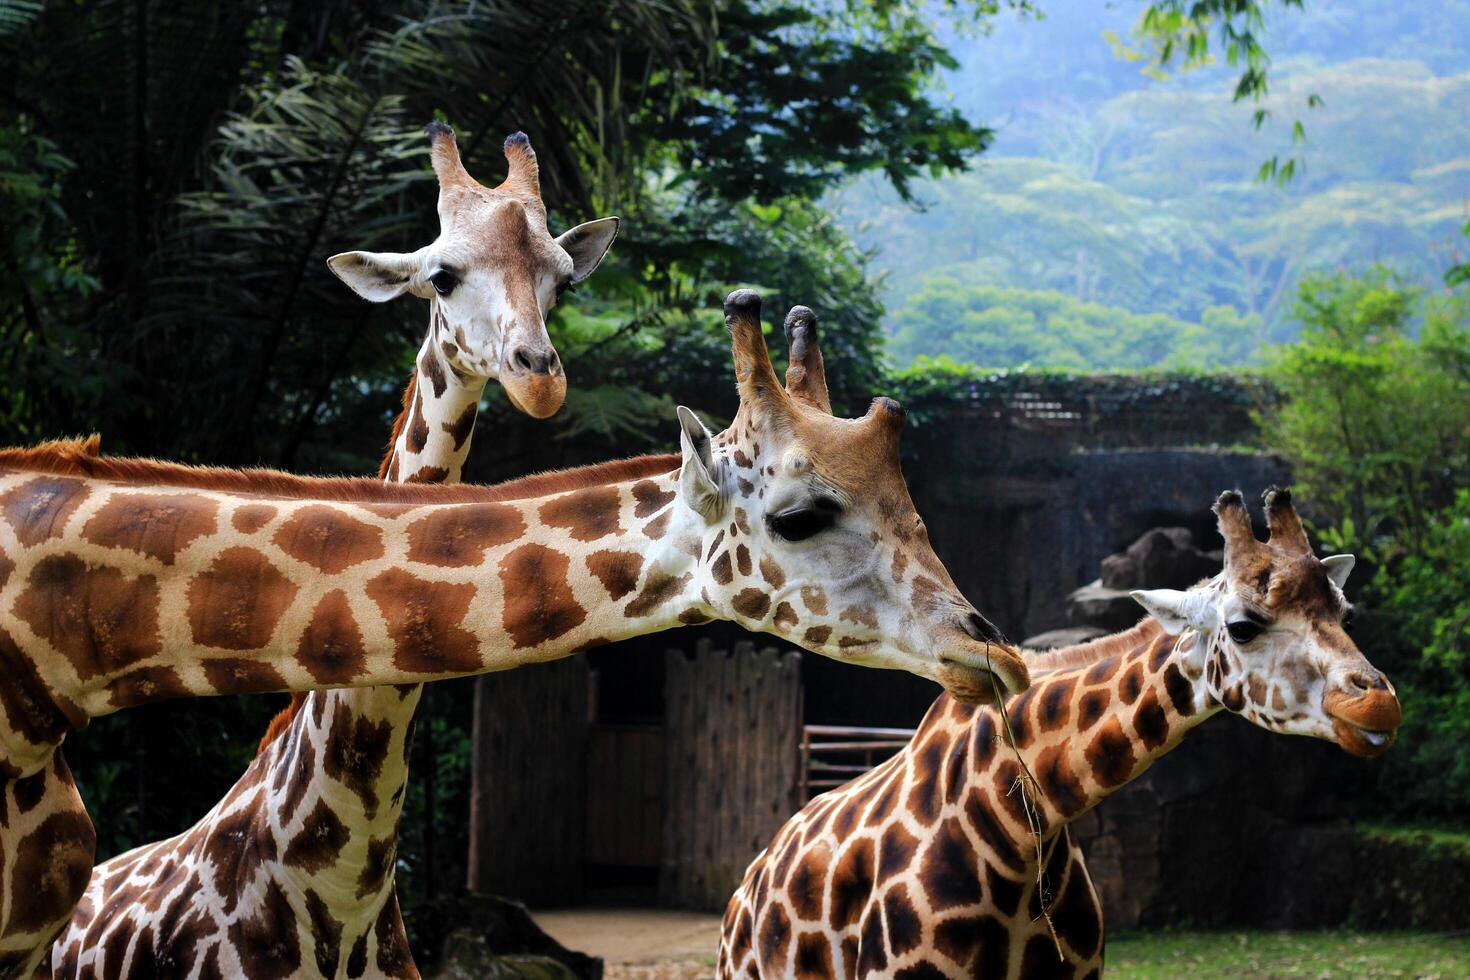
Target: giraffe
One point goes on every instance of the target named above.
(500, 238)
(490, 278)
(927, 866)
(128, 581)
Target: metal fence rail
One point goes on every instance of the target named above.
(832, 755)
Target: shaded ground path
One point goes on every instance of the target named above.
(640, 944)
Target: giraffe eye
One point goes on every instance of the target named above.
(443, 282)
(1348, 616)
(800, 523)
(1243, 630)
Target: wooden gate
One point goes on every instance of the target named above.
(528, 782)
(625, 783)
(732, 731)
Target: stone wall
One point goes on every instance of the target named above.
(1019, 533)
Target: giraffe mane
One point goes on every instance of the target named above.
(282, 721)
(398, 424)
(76, 457)
(1040, 662)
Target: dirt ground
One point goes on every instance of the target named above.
(640, 944)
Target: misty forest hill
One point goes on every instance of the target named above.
(1117, 222)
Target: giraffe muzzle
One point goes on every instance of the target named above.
(534, 381)
(973, 676)
(1364, 724)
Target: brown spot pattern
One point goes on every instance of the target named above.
(539, 604)
(771, 572)
(660, 587)
(96, 617)
(319, 841)
(617, 570)
(1110, 754)
(657, 527)
(459, 536)
(651, 498)
(752, 603)
(331, 648)
(237, 602)
(418, 430)
(146, 684)
(355, 753)
(39, 509)
(459, 430)
(158, 525)
(233, 675)
(586, 514)
(328, 540)
(252, 517)
(424, 619)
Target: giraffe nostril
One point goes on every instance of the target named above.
(1364, 681)
(533, 361)
(981, 629)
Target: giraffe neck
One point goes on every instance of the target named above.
(355, 883)
(1084, 732)
(343, 763)
(299, 594)
(431, 438)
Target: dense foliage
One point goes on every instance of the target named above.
(993, 325)
(1375, 419)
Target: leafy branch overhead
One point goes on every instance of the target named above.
(1179, 33)
(196, 189)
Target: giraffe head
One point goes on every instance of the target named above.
(491, 276)
(806, 529)
(1273, 642)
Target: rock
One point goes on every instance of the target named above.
(455, 932)
(1120, 571)
(467, 956)
(1110, 610)
(1166, 558)
(1066, 637)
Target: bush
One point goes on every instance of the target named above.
(1376, 423)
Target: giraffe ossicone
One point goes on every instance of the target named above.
(926, 866)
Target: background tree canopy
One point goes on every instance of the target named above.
(1109, 184)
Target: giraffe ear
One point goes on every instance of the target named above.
(1339, 567)
(376, 276)
(1175, 610)
(587, 244)
(697, 483)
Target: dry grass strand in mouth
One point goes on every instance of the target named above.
(1026, 784)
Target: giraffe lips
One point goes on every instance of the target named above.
(966, 684)
(538, 395)
(977, 683)
(1365, 725)
(973, 673)
(1361, 742)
